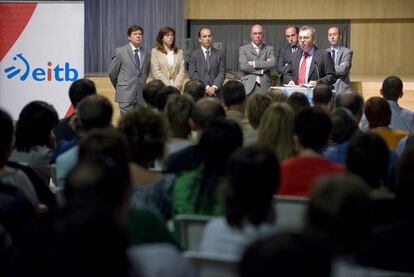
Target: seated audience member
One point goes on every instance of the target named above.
(311, 133)
(323, 97)
(353, 102)
(246, 218)
(149, 93)
(256, 106)
(11, 176)
(146, 133)
(339, 214)
(390, 248)
(162, 96)
(378, 113)
(286, 254)
(343, 127)
(94, 111)
(368, 157)
(276, 130)
(404, 142)
(34, 138)
(401, 118)
(8, 252)
(298, 101)
(198, 191)
(234, 99)
(276, 95)
(196, 89)
(204, 111)
(77, 91)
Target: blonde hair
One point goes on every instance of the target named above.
(276, 130)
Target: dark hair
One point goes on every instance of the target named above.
(392, 88)
(286, 254)
(256, 106)
(405, 180)
(162, 96)
(343, 125)
(205, 110)
(80, 89)
(367, 156)
(195, 88)
(94, 111)
(159, 44)
(177, 113)
(146, 133)
(312, 127)
(6, 137)
(35, 123)
(339, 29)
(298, 101)
(233, 93)
(378, 112)
(322, 95)
(218, 140)
(290, 26)
(134, 28)
(151, 90)
(339, 212)
(202, 28)
(247, 166)
(351, 101)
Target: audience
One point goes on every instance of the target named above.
(162, 96)
(323, 97)
(353, 102)
(150, 91)
(298, 101)
(256, 106)
(276, 95)
(234, 99)
(195, 88)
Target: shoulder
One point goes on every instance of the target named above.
(268, 47)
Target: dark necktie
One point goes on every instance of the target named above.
(137, 62)
(294, 48)
(208, 58)
(333, 56)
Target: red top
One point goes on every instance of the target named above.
(299, 173)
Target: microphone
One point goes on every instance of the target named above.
(317, 69)
(283, 72)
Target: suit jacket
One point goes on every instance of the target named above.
(160, 68)
(321, 70)
(283, 57)
(127, 80)
(264, 61)
(197, 67)
(343, 65)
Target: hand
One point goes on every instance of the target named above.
(312, 83)
(211, 91)
(252, 63)
(291, 83)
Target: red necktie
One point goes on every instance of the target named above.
(302, 70)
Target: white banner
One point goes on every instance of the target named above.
(41, 54)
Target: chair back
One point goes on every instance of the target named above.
(290, 211)
(190, 230)
(212, 265)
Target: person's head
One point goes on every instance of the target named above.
(135, 34)
(306, 37)
(367, 156)
(256, 106)
(80, 89)
(257, 34)
(353, 102)
(392, 88)
(334, 36)
(162, 96)
(166, 39)
(323, 96)
(234, 93)
(205, 110)
(405, 180)
(276, 95)
(343, 125)
(291, 34)
(94, 111)
(177, 112)
(6, 137)
(338, 212)
(246, 166)
(312, 128)
(298, 101)
(150, 92)
(35, 124)
(276, 130)
(378, 112)
(286, 254)
(195, 88)
(205, 37)
(146, 133)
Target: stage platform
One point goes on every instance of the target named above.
(367, 86)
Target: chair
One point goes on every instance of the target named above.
(290, 211)
(345, 269)
(190, 229)
(212, 265)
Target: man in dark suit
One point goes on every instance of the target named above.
(285, 53)
(129, 70)
(207, 63)
(309, 65)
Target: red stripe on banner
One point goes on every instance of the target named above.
(70, 111)
(13, 20)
